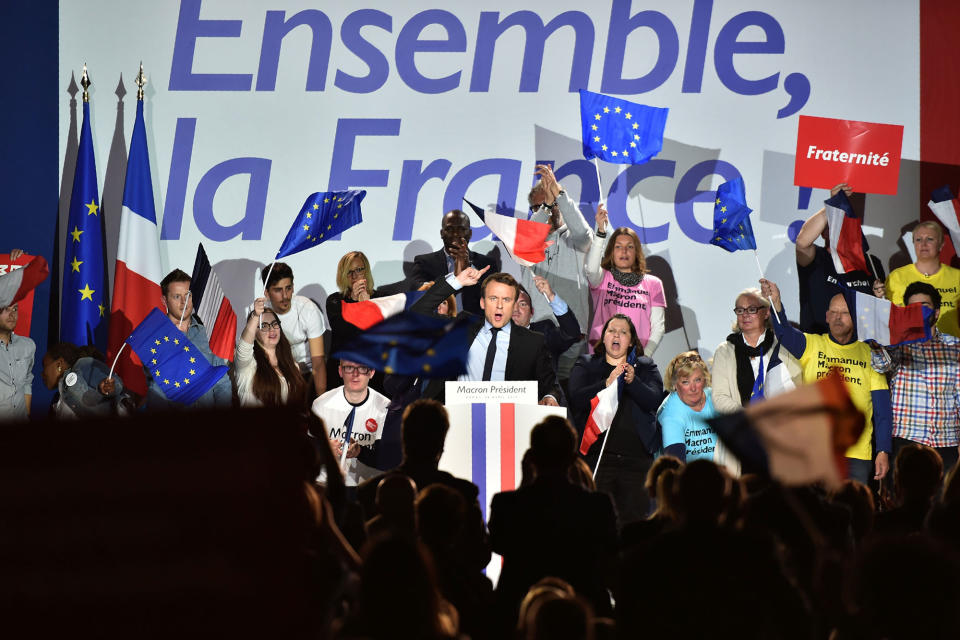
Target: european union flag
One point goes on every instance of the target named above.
(731, 218)
(413, 344)
(619, 131)
(323, 216)
(85, 301)
(176, 364)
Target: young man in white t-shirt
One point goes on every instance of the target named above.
(354, 415)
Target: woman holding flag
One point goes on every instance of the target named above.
(620, 284)
(750, 364)
(267, 374)
(615, 393)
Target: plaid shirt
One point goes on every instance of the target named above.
(924, 389)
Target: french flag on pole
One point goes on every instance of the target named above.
(366, 313)
(603, 407)
(136, 284)
(947, 209)
(524, 240)
(846, 236)
(881, 321)
(213, 307)
(16, 284)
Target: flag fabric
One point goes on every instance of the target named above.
(946, 207)
(619, 131)
(879, 320)
(799, 437)
(413, 344)
(757, 392)
(212, 307)
(17, 284)
(367, 313)
(84, 302)
(323, 216)
(136, 282)
(177, 366)
(603, 407)
(731, 218)
(525, 240)
(848, 247)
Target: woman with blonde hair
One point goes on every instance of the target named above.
(619, 283)
(738, 360)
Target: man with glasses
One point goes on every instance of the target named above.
(354, 415)
(455, 232)
(839, 349)
(176, 301)
(925, 384)
(563, 266)
(560, 331)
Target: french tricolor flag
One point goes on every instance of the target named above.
(213, 307)
(136, 284)
(366, 313)
(881, 321)
(603, 407)
(846, 236)
(524, 240)
(16, 284)
(947, 209)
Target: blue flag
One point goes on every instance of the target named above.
(323, 216)
(413, 344)
(85, 303)
(177, 366)
(618, 131)
(731, 218)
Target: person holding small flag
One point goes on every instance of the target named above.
(267, 374)
(750, 365)
(618, 430)
(619, 283)
(178, 304)
(839, 349)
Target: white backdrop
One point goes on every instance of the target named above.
(856, 61)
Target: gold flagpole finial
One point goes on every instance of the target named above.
(141, 80)
(85, 83)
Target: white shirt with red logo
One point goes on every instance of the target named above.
(368, 421)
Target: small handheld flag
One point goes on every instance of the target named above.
(213, 307)
(731, 218)
(525, 240)
(15, 285)
(947, 209)
(367, 313)
(323, 216)
(879, 320)
(619, 131)
(848, 247)
(177, 366)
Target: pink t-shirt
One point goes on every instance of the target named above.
(611, 298)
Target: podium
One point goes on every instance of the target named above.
(490, 425)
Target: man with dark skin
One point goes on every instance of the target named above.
(454, 257)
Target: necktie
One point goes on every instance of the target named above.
(491, 353)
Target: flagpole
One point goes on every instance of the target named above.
(756, 257)
(603, 446)
(596, 165)
(117, 357)
(265, 281)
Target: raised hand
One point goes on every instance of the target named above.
(471, 276)
(551, 188)
(602, 217)
(543, 286)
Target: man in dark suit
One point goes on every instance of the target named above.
(553, 527)
(499, 349)
(455, 232)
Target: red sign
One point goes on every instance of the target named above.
(25, 306)
(865, 155)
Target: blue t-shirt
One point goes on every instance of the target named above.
(681, 424)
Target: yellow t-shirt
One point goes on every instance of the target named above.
(853, 361)
(946, 281)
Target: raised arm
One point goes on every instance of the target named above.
(792, 339)
(591, 266)
(812, 229)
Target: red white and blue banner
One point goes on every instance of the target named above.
(845, 234)
(18, 279)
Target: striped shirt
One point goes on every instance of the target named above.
(925, 389)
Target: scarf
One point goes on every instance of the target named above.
(626, 278)
(744, 352)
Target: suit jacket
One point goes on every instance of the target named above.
(527, 355)
(559, 338)
(433, 266)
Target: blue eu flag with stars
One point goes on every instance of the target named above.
(84, 303)
(177, 366)
(618, 131)
(323, 216)
(731, 218)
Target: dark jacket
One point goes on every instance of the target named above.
(433, 266)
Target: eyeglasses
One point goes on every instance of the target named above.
(543, 205)
(356, 273)
(351, 369)
(266, 326)
(748, 310)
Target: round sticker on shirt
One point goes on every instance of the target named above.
(71, 379)
(371, 425)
